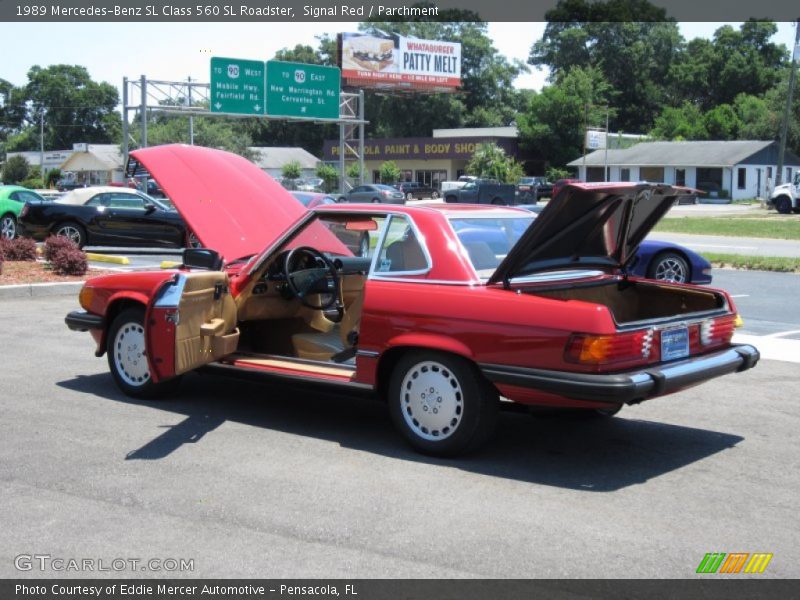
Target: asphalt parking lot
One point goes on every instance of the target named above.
(252, 480)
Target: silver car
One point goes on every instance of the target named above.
(375, 192)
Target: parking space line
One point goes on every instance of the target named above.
(772, 348)
(783, 334)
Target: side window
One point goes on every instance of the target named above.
(401, 252)
(125, 201)
(99, 200)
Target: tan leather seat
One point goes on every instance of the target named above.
(324, 345)
(406, 255)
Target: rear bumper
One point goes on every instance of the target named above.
(630, 386)
(80, 320)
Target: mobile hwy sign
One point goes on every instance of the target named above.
(275, 88)
(237, 86)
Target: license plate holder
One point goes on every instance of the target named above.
(674, 343)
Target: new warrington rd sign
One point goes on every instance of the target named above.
(300, 90)
(237, 86)
(282, 89)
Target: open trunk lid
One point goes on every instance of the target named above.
(589, 225)
(230, 204)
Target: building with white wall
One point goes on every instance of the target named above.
(741, 169)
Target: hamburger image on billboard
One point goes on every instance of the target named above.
(367, 52)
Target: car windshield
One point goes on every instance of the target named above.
(489, 240)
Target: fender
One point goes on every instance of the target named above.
(431, 341)
(108, 304)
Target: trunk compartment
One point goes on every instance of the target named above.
(633, 302)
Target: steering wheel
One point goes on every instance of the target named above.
(315, 280)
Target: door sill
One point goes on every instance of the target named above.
(285, 367)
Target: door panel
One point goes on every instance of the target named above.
(197, 312)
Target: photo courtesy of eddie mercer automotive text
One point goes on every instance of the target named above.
(438, 310)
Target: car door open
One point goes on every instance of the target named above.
(191, 322)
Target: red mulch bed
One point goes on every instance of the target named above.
(39, 272)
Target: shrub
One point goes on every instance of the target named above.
(18, 249)
(69, 261)
(56, 243)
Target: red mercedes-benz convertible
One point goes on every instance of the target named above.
(439, 310)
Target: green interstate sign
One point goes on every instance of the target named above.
(237, 86)
(300, 90)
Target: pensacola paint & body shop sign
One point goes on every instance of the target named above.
(391, 60)
(411, 148)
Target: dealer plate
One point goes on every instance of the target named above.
(674, 343)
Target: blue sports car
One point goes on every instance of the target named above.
(654, 259)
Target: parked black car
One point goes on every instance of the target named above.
(106, 216)
(415, 189)
(530, 189)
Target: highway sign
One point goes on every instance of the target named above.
(301, 90)
(237, 86)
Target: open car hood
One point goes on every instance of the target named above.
(589, 225)
(230, 204)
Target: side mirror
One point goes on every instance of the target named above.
(202, 258)
(149, 209)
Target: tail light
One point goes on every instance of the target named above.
(24, 211)
(714, 332)
(387, 193)
(608, 349)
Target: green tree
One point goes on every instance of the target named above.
(491, 161)
(553, 124)
(714, 72)
(684, 123)
(225, 133)
(329, 176)
(353, 170)
(389, 172)
(292, 170)
(75, 109)
(15, 170)
(631, 42)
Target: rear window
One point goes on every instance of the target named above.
(489, 240)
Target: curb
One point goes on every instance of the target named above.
(119, 260)
(40, 290)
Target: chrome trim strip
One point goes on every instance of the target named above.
(262, 373)
(467, 283)
(368, 353)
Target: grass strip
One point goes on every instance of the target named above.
(768, 226)
(754, 263)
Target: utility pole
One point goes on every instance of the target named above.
(605, 165)
(41, 145)
(191, 118)
(788, 110)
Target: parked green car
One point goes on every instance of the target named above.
(12, 199)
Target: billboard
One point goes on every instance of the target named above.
(391, 61)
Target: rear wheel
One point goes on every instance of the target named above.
(409, 196)
(669, 266)
(8, 227)
(376, 200)
(783, 205)
(441, 404)
(434, 194)
(72, 231)
(127, 356)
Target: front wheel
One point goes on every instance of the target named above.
(441, 404)
(434, 194)
(8, 227)
(127, 356)
(783, 205)
(409, 196)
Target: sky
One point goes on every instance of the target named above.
(175, 51)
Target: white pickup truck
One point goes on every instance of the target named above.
(786, 198)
